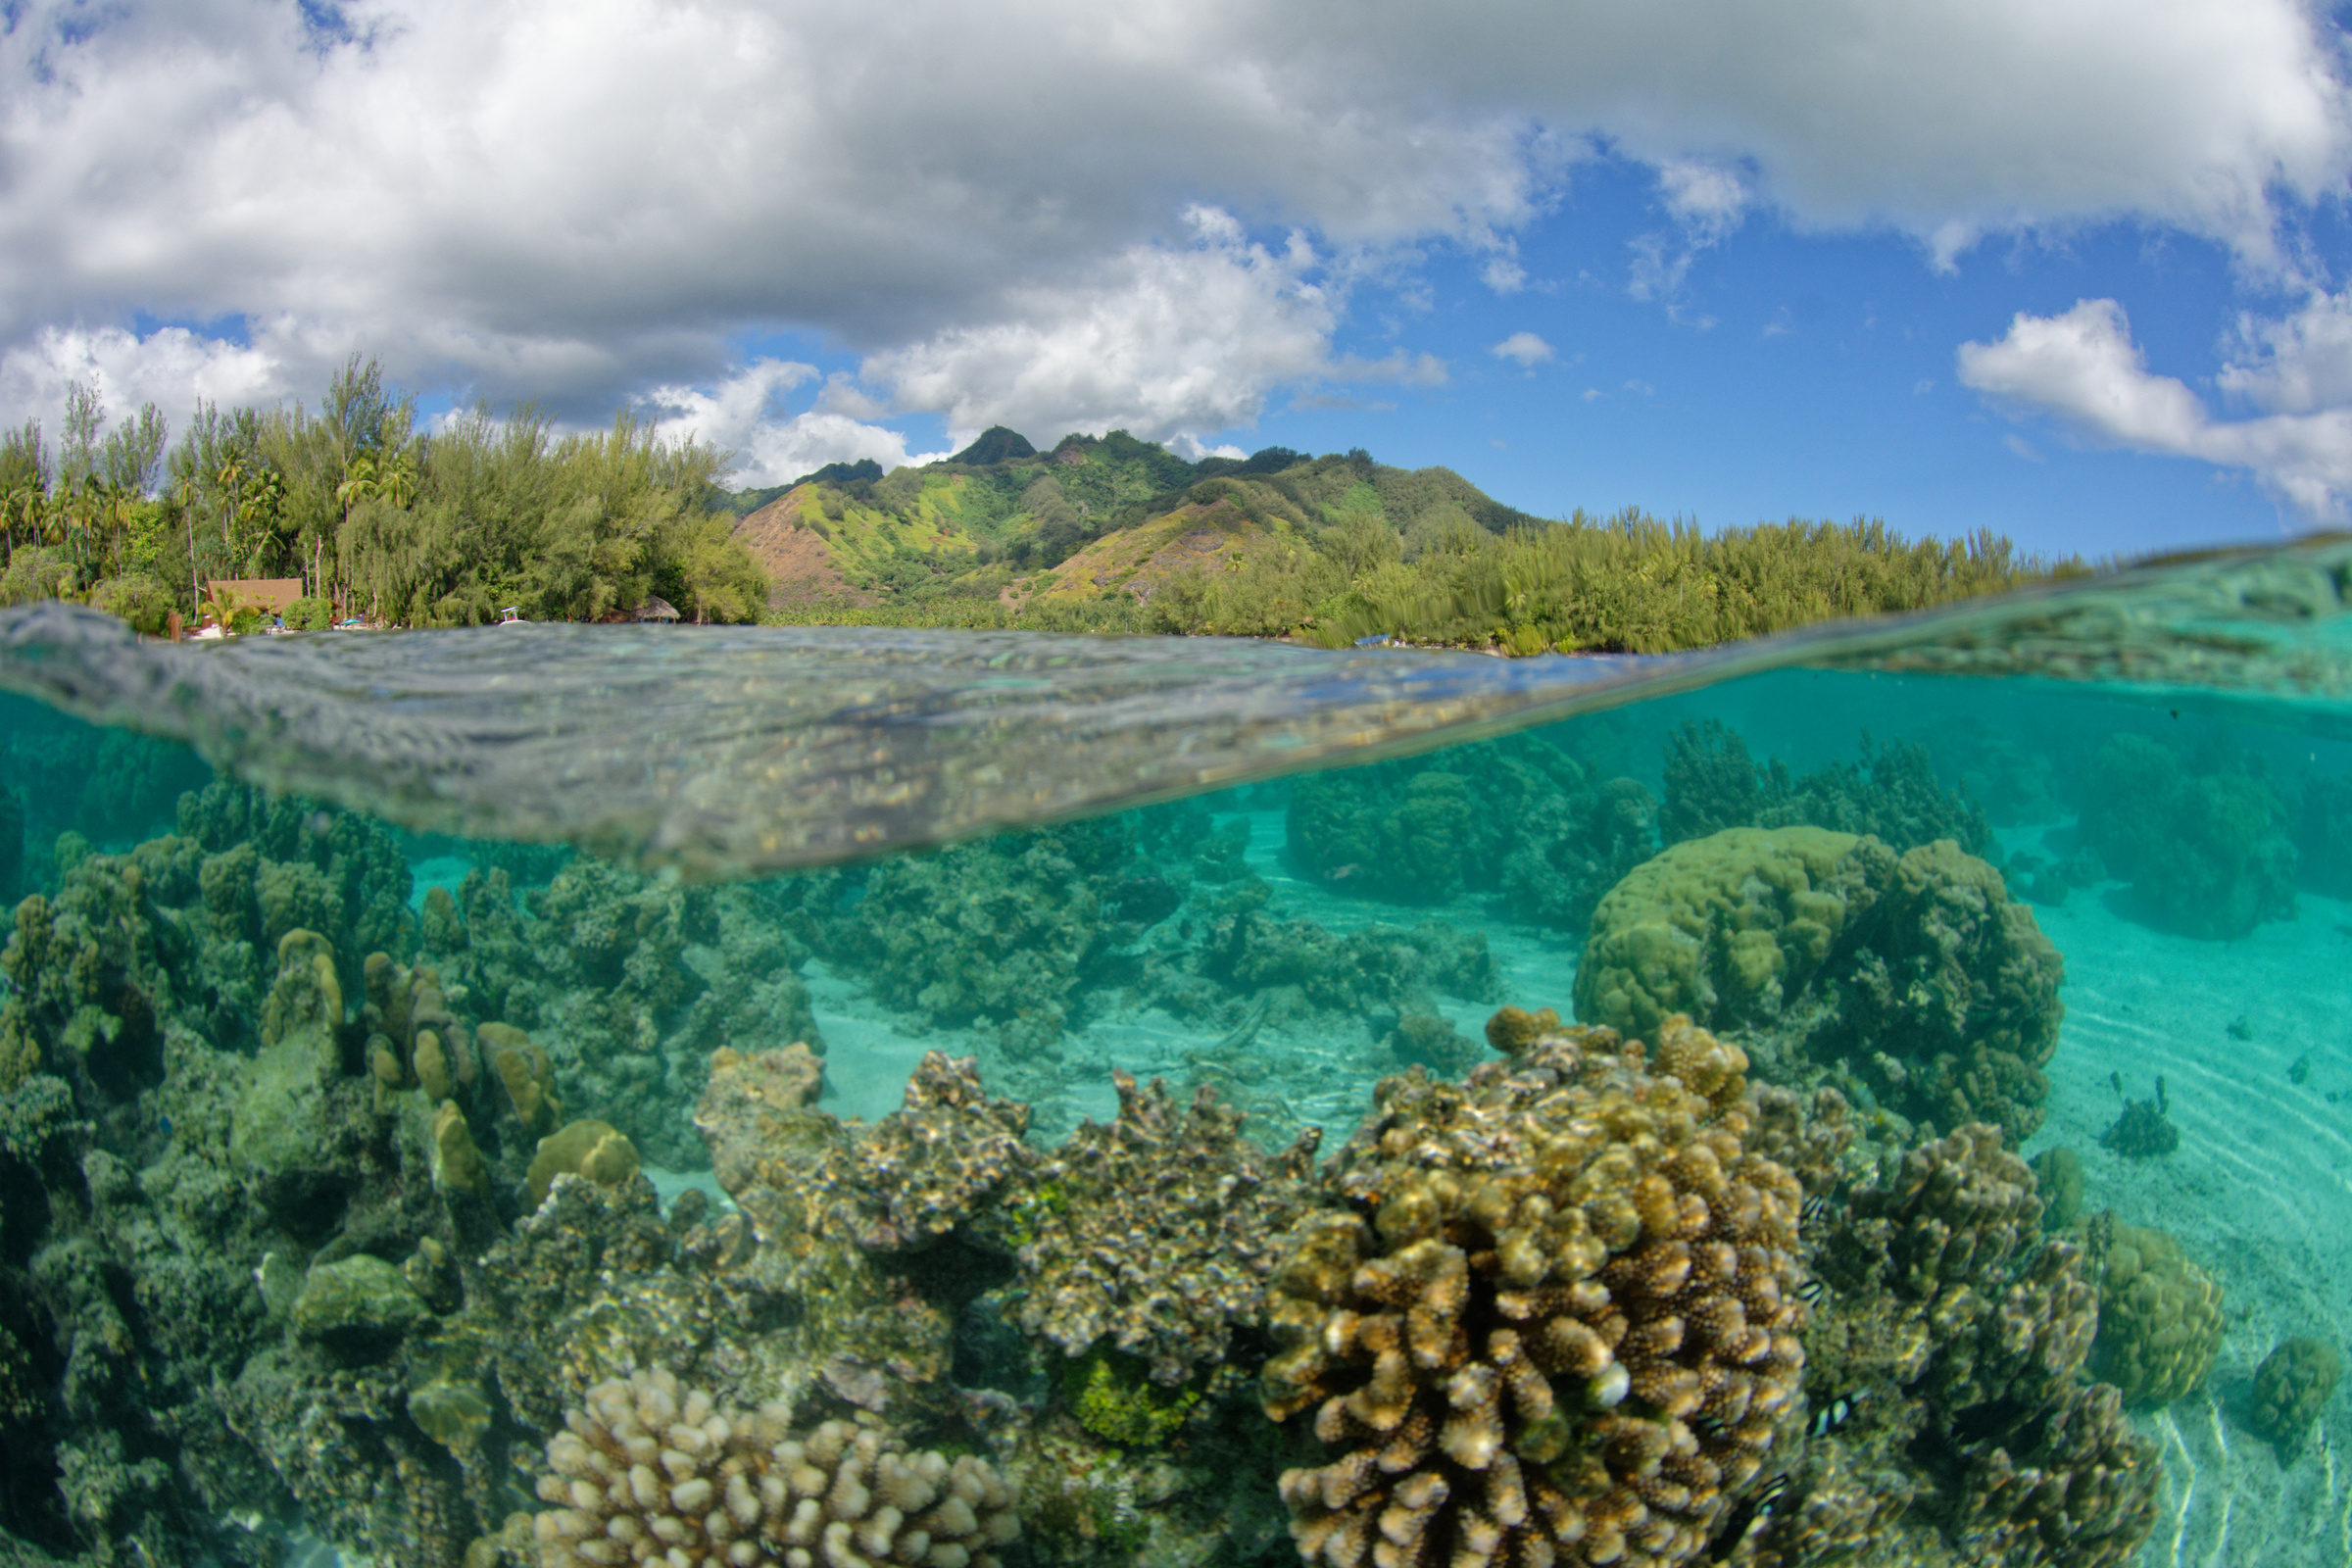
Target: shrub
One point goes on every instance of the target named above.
(142, 601)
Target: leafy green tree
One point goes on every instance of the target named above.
(24, 461)
(78, 444)
(132, 456)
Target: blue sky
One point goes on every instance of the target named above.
(2069, 269)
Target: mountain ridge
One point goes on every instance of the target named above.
(1002, 521)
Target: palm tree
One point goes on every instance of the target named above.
(189, 490)
(396, 483)
(359, 484)
(231, 474)
(23, 504)
(115, 503)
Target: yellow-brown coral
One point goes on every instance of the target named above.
(592, 1148)
(2291, 1388)
(653, 1473)
(1915, 976)
(1555, 1320)
(2160, 1315)
(1725, 927)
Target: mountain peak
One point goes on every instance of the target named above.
(996, 444)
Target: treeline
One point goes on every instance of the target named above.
(1339, 549)
(379, 518)
(1635, 584)
(1628, 584)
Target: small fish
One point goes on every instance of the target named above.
(1745, 1516)
(1339, 873)
(1816, 1209)
(1812, 1292)
(1832, 1416)
(1708, 1428)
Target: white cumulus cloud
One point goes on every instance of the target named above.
(2083, 367)
(1525, 349)
(1163, 341)
(584, 199)
(172, 368)
(771, 447)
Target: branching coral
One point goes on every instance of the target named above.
(628, 982)
(1945, 1365)
(2079, 1491)
(1894, 795)
(649, 1472)
(1154, 1234)
(1517, 814)
(1247, 950)
(1554, 1319)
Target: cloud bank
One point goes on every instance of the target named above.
(1002, 208)
(2083, 369)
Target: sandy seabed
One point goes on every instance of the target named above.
(2260, 1192)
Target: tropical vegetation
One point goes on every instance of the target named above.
(379, 518)
(385, 520)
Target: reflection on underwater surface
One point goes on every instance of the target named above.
(462, 1201)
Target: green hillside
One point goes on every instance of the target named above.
(1115, 534)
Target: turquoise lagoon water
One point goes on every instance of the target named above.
(662, 846)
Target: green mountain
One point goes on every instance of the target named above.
(1001, 521)
(1115, 534)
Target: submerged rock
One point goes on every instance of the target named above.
(359, 1296)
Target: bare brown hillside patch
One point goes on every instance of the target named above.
(796, 557)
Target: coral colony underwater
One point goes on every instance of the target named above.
(575, 1096)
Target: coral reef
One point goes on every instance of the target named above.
(2322, 834)
(2159, 1315)
(1517, 815)
(1942, 1369)
(1728, 929)
(107, 786)
(1913, 978)
(589, 1148)
(276, 863)
(651, 1472)
(826, 1206)
(2202, 839)
(1154, 1235)
(1892, 795)
(12, 845)
(2293, 1384)
(1553, 1317)
(1246, 951)
(627, 983)
(2078, 1491)
(1115, 1399)
(996, 930)
(2058, 1174)
(2145, 1128)
(250, 1174)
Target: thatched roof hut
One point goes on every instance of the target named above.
(656, 607)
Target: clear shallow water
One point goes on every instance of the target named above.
(2156, 776)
